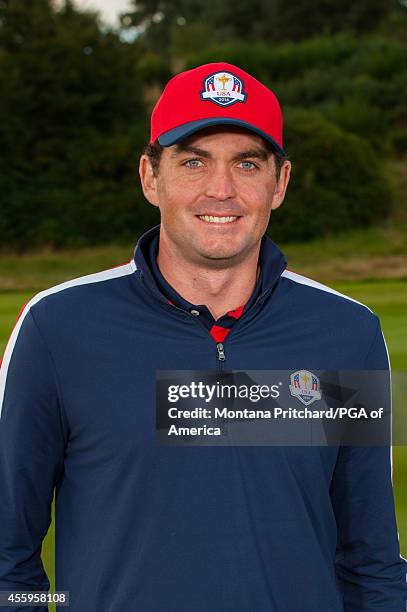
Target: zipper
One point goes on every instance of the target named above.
(220, 348)
(221, 354)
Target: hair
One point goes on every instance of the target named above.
(154, 150)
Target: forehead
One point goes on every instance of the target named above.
(222, 138)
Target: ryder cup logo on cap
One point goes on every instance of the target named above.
(223, 88)
(216, 94)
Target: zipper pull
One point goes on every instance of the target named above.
(221, 352)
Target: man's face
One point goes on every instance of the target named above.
(219, 172)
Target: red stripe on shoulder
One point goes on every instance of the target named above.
(18, 317)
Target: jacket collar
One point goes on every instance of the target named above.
(271, 259)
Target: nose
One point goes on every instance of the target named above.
(220, 184)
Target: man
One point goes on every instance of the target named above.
(186, 528)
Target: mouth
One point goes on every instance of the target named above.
(217, 220)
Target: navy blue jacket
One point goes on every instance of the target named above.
(148, 528)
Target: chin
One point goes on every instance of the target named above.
(220, 255)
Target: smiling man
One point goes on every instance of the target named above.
(152, 527)
(215, 191)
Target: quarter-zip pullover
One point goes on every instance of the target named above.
(148, 528)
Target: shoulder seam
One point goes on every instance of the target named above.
(87, 279)
(304, 280)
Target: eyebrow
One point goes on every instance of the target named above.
(255, 152)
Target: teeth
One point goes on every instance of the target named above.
(211, 219)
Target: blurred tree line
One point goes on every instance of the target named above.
(76, 97)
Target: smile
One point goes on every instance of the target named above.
(211, 219)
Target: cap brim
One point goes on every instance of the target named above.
(187, 129)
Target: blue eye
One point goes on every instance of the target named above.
(193, 163)
(247, 165)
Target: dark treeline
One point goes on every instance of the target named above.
(254, 20)
(75, 101)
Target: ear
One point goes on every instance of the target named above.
(281, 185)
(148, 180)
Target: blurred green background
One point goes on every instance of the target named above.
(74, 117)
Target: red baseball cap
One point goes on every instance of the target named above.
(216, 94)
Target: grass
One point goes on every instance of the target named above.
(21, 277)
(378, 252)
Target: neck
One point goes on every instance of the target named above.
(220, 289)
